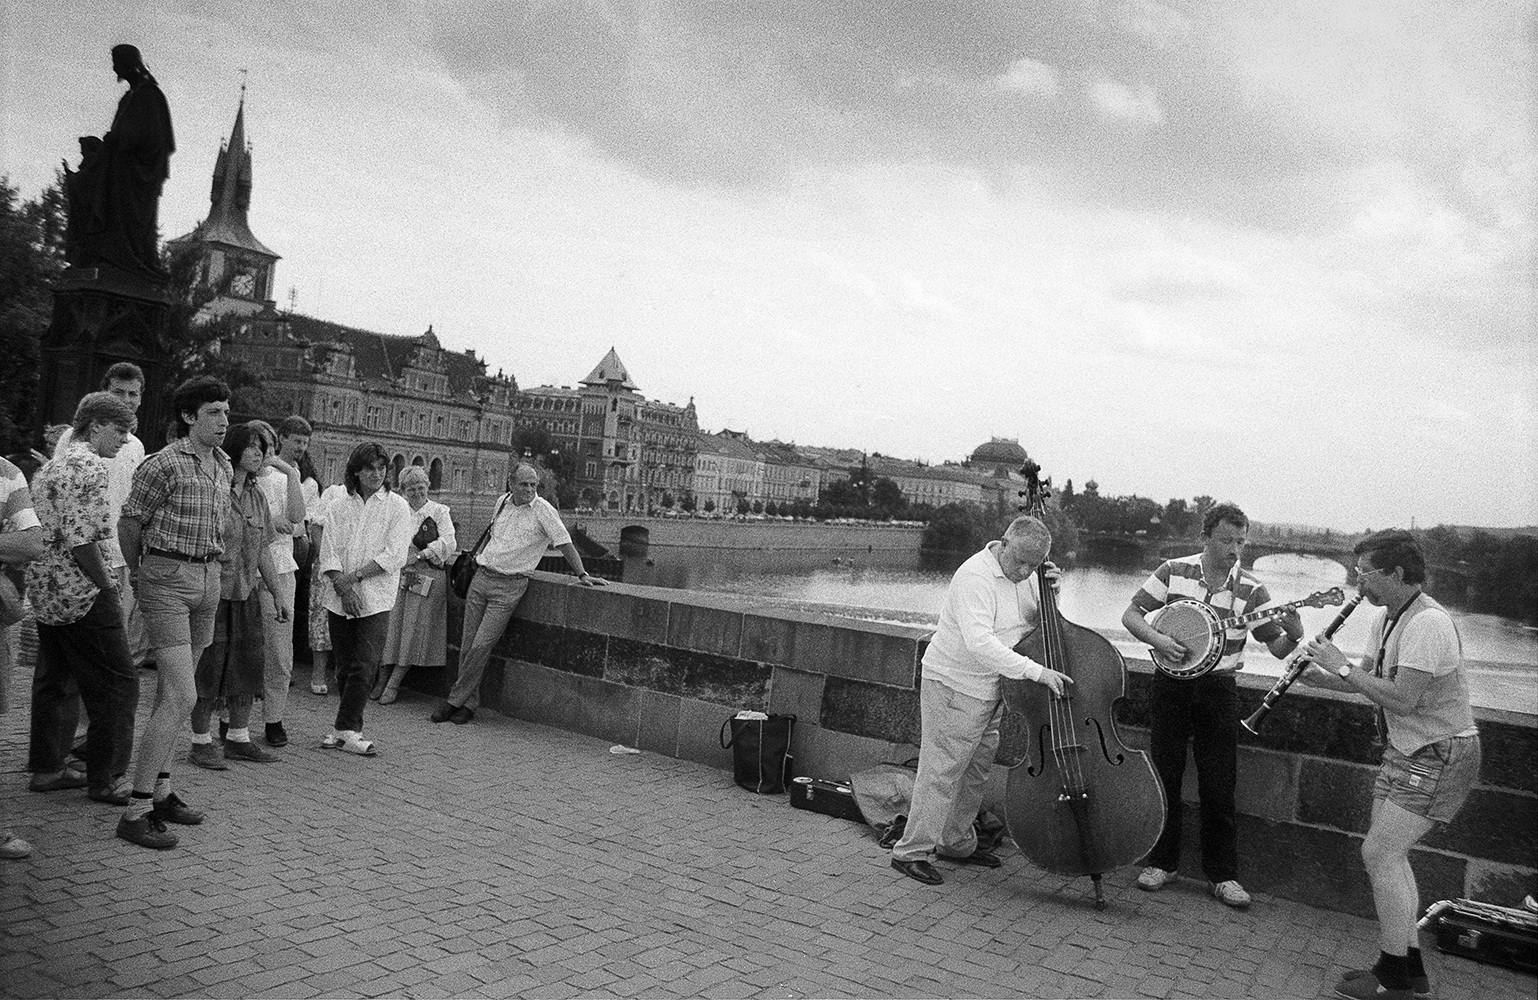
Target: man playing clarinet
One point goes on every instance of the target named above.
(1204, 711)
(1416, 678)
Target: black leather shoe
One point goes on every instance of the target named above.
(921, 871)
(461, 716)
(982, 857)
(277, 736)
(172, 809)
(443, 712)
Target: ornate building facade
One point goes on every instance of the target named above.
(426, 405)
(626, 450)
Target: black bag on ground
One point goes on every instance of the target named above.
(760, 748)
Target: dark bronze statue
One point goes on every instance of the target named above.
(114, 198)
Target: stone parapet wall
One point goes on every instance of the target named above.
(662, 669)
(727, 533)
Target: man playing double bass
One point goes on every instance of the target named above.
(989, 607)
(1204, 711)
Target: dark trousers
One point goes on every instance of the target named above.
(88, 657)
(1205, 714)
(356, 646)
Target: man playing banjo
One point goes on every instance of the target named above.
(1204, 710)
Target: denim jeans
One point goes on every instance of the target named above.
(1203, 713)
(88, 657)
(489, 606)
(960, 738)
(356, 646)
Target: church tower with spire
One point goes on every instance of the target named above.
(232, 262)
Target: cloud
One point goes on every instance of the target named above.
(1153, 23)
(1137, 105)
(1027, 76)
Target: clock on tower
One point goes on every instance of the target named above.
(243, 284)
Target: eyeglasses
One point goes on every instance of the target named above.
(1360, 573)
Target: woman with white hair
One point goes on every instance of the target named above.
(418, 635)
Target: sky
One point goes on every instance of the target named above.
(1280, 254)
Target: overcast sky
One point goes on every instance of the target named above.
(1278, 253)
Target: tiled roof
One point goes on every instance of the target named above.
(380, 358)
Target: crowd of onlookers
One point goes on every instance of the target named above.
(198, 562)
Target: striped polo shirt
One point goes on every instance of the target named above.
(1182, 578)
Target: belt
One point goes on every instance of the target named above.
(182, 556)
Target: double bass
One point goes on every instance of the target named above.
(1080, 802)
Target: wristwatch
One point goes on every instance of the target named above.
(1343, 671)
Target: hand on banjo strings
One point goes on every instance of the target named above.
(1169, 647)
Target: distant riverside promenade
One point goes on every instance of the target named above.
(661, 669)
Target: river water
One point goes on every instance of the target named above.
(1502, 654)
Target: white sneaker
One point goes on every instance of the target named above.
(1153, 879)
(1231, 893)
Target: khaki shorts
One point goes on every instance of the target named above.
(1434, 780)
(179, 601)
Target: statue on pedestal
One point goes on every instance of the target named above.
(114, 198)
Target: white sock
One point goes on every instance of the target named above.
(241, 735)
(198, 738)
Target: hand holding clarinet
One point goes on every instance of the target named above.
(1300, 662)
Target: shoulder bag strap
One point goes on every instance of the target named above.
(486, 535)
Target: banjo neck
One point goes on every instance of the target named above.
(1272, 612)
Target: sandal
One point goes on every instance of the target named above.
(351, 742)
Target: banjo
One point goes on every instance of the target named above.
(1196, 626)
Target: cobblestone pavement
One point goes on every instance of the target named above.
(507, 859)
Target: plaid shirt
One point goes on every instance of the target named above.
(181, 500)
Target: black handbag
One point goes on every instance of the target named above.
(462, 573)
(427, 533)
(760, 750)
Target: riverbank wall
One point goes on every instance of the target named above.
(662, 669)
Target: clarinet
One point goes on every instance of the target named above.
(1300, 662)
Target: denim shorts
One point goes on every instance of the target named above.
(1434, 780)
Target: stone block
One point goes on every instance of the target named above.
(868, 651)
(876, 711)
(1335, 794)
(606, 710)
(823, 753)
(659, 723)
(539, 693)
(645, 665)
(582, 652)
(1310, 722)
(1510, 755)
(531, 641)
(1267, 785)
(699, 733)
(546, 601)
(618, 613)
(795, 692)
(708, 629)
(768, 638)
(1498, 884)
(1495, 825)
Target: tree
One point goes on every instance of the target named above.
(710, 506)
(887, 497)
(743, 506)
(772, 509)
(841, 493)
(31, 258)
(194, 344)
(667, 500)
(688, 503)
(953, 533)
(1066, 496)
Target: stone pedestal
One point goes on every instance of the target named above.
(101, 317)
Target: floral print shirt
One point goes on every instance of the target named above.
(71, 498)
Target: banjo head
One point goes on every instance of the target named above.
(1195, 626)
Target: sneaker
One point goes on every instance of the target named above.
(172, 809)
(1364, 985)
(1231, 893)
(237, 750)
(207, 755)
(146, 831)
(12, 847)
(443, 712)
(1153, 879)
(276, 736)
(1419, 985)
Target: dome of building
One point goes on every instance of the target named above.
(1000, 452)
